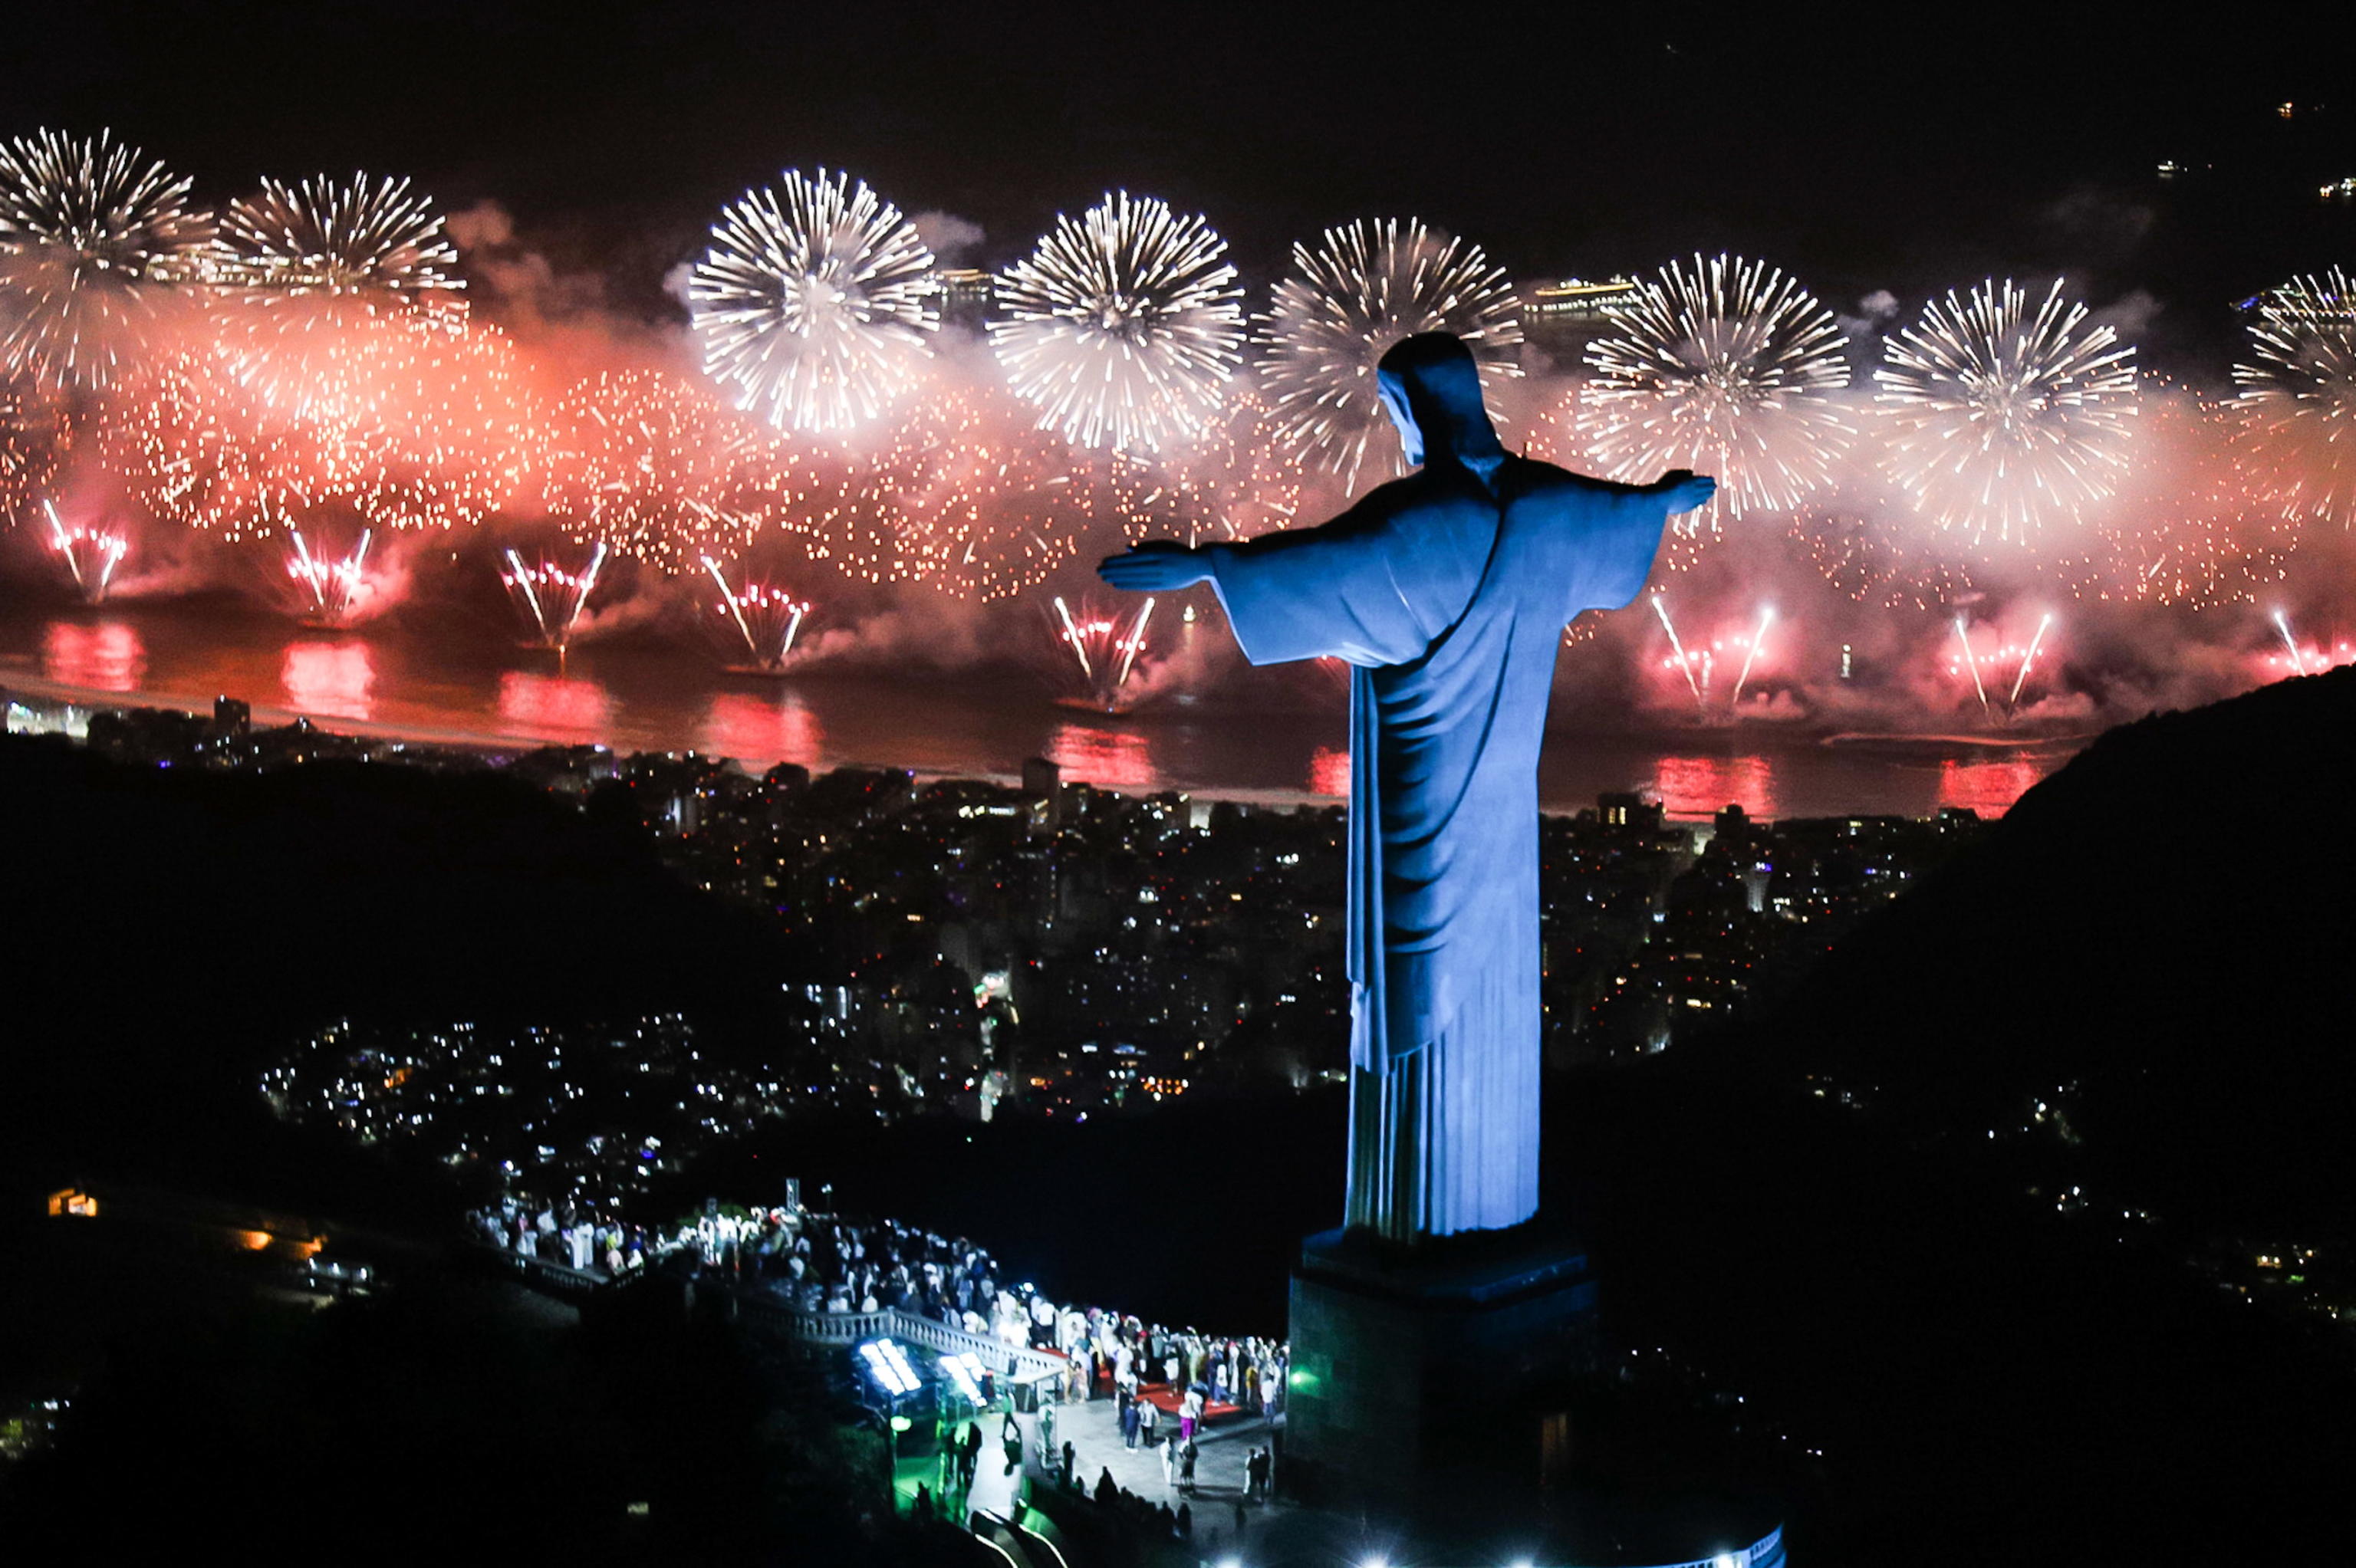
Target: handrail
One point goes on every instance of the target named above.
(852, 1327)
(833, 1327)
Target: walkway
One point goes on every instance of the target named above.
(1094, 1431)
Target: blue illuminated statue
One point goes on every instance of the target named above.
(1448, 591)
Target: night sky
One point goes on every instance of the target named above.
(1902, 148)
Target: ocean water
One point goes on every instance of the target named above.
(470, 682)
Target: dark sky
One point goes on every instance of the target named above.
(1903, 147)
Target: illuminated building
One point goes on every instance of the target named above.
(1561, 317)
(964, 297)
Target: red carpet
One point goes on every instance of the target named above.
(1170, 1401)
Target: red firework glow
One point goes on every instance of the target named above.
(1697, 663)
(334, 678)
(552, 707)
(108, 656)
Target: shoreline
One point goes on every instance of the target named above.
(508, 746)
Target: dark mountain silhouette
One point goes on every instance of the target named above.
(2164, 926)
(2170, 924)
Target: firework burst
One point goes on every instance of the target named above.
(550, 597)
(195, 447)
(328, 588)
(1104, 646)
(1882, 559)
(304, 265)
(1725, 368)
(765, 618)
(2298, 404)
(967, 495)
(812, 306)
(97, 242)
(89, 555)
(2003, 419)
(1123, 327)
(376, 245)
(1346, 302)
(441, 427)
(659, 470)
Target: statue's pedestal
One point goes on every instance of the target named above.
(1411, 1366)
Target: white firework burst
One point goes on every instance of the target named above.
(96, 241)
(1725, 367)
(1123, 327)
(1365, 288)
(307, 264)
(814, 302)
(2297, 402)
(2004, 418)
(377, 243)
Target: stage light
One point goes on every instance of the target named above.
(965, 1371)
(888, 1365)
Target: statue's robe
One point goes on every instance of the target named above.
(1448, 590)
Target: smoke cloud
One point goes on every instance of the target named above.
(951, 239)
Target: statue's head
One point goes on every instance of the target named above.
(1431, 389)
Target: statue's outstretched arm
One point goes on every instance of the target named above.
(1614, 546)
(1157, 566)
(1679, 490)
(1298, 593)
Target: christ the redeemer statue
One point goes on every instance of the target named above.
(1448, 591)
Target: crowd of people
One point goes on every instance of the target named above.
(566, 1233)
(825, 1262)
(1167, 1383)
